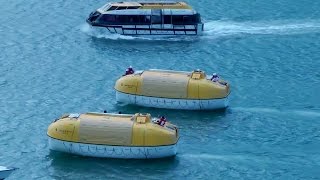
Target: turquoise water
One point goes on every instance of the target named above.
(52, 63)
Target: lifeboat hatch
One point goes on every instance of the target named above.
(197, 75)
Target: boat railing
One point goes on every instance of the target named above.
(175, 28)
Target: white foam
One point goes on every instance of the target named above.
(212, 156)
(2, 168)
(227, 28)
(98, 34)
(304, 113)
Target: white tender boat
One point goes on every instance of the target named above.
(147, 18)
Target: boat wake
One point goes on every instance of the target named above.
(99, 34)
(213, 157)
(229, 28)
(216, 29)
(304, 113)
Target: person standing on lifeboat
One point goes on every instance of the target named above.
(162, 121)
(129, 70)
(215, 77)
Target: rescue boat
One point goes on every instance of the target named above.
(173, 90)
(147, 18)
(108, 135)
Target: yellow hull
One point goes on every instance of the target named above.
(173, 85)
(113, 130)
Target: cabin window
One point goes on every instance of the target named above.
(121, 19)
(125, 19)
(122, 7)
(112, 8)
(110, 18)
(177, 19)
(197, 18)
(133, 19)
(156, 19)
(167, 19)
(147, 19)
(93, 16)
(133, 7)
(156, 16)
(144, 19)
(186, 19)
(107, 19)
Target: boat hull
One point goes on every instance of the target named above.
(4, 173)
(106, 151)
(167, 103)
(147, 30)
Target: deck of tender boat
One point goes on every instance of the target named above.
(144, 5)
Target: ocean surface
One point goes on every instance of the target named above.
(52, 63)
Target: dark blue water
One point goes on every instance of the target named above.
(52, 63)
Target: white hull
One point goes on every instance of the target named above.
(105, 151)
(187, 104)
(5, 172)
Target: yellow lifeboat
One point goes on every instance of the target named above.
(173, 90)
(114, 135)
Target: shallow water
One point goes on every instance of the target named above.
(52, 63)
